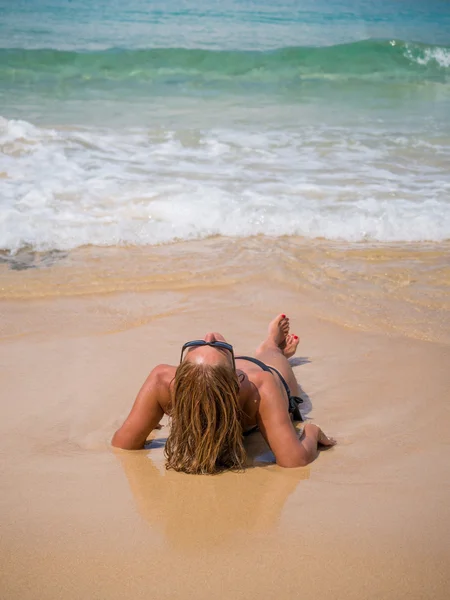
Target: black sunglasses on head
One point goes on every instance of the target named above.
(214, 344)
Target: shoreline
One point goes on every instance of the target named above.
(400, 289)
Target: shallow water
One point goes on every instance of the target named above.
(399, 288)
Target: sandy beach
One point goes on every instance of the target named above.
(368, 519)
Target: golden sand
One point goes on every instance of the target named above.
(368, 519)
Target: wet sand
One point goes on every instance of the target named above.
(368, 519)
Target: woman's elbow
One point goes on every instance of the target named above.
(117, 440)
(124, 442)
(293, 464)
(294, 460)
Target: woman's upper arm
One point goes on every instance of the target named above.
(276, 425)
(146, 412)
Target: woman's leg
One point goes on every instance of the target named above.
(277, 348)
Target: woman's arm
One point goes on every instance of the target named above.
(312, 436)
(276, 426)
(148, 409)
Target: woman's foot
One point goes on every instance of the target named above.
(278, 335)
(278, 330)
(290, 346)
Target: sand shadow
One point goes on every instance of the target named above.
(155, 443)
(297, 361)
(306, 406)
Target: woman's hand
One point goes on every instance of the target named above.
(322, 439)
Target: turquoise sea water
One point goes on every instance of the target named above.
(142, 124)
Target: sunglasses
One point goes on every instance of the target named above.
(215, 344)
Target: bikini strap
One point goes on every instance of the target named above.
(294, 401)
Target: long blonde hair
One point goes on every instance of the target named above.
(206, 428)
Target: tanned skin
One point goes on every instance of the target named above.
(262, 397)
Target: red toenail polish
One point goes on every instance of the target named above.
(296, 337)
(283, 316)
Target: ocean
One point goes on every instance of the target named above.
(144, 124)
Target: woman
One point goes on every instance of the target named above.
(213, 398)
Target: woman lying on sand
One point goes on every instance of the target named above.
(213, 398)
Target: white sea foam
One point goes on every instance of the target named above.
(66, 188)
(439, 55)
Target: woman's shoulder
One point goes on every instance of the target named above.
(258, 377)
(163, 374)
